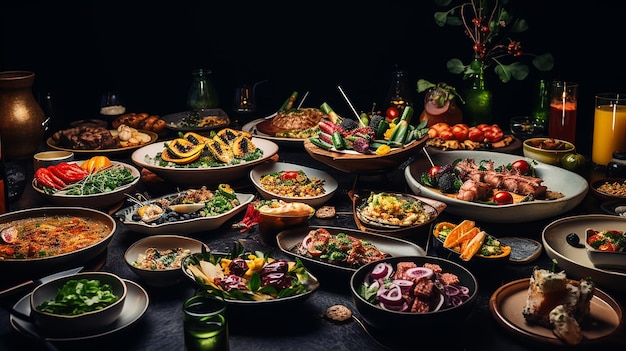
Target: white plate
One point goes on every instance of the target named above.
(250, 127)
(136, 304)
(103, 201)
(557, 179)
(199, 224)
(330, 184)
(574, 260)
(202, 176)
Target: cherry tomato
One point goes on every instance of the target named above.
(522, 166)
(391, 114)
(573, 161)
(432, 132)
(592, 239)
(475, 134)
(432, 172)
(441, 126)
(483, 126)
(289, 175)
(503, 198)
(493, 134)
(460, 131)
(446, 134)
(606, 247)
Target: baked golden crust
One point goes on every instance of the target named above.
(298, 119)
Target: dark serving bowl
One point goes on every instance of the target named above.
(396, 321)
(27, 268)
(604, 196)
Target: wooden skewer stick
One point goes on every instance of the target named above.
(358, 118)
(428, 156)
(302, 100)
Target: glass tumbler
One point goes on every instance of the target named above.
(204, 323)
(609, 127)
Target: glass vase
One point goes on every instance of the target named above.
(478, 99)
(202, 94)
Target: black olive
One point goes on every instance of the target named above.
(574, 240)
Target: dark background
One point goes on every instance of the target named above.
(147, 51)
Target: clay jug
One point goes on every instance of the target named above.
(22, 124)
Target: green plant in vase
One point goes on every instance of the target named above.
(489, 27)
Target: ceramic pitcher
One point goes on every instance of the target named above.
(22, 121)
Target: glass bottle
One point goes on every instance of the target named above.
(202, 94)
(478, 99)
(541, 107)
(399, 95)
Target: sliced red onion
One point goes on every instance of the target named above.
(392, 296)
(306, 242)
(451, 290)
(404, 284)
(400, 308)
(419, 272)
(380, 270)
(464, 290)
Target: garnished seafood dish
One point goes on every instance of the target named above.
(340, 249)
(488, 183)
(407, 287)
(155, 259)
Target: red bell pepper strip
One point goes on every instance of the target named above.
(68, 172)
(46, 178)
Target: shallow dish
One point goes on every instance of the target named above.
(202, 176)
(330, 184)
(387, 319)
(549, 156)
(361, 163)
(251, 127)
(617, 207)
(167, 276)
(574, 190)
(311, 285)
(153, 137)
(193, 225)
(574, 260)
(604, 196)
(175, 121)
(101, 201)
(87, 321)
(359, 199)
(19, 268)
(131, 313)
(289, 239)
(602, 258)
(507, 302)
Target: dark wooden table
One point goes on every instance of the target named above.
(303, 328)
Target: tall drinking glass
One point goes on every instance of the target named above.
(563, 109)
(609, 127)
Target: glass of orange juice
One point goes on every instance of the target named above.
(609, 127)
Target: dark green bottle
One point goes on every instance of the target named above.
(541, 107)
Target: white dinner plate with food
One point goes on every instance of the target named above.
(574, 260)
(572, 186)
(137, 302)
(282, 192)
(197, 176)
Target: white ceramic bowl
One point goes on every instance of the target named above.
(330, 184)
(553, 157)
(604, 259)
(103, 201)
(93, 320)
(164, 276)
(201, 176)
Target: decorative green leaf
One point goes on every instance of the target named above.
(519, 25)
(503, 73)
(544, 62)
(441, 18)
(455, 66)
(423, 85)
(442, 2)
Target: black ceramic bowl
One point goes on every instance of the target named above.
(386, 319)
